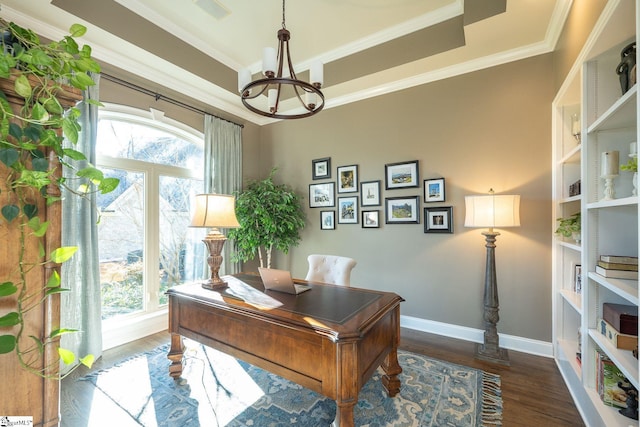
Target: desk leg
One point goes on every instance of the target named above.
(175, 355)
(391, 368)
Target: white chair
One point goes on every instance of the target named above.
(331, 269)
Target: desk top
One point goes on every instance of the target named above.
(329, 304)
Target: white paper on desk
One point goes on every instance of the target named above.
(247, 293)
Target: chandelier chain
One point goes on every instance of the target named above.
(283, 19)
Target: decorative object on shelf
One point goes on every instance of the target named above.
(402, 210)
(327, 220)
(215, 211)
(401, 175)
(632, 166)
(570, 226)
(626, 69)
(575, 126)
(577, 278)
(370, 219)
(348, 179)
(348, 210)
(492, 211)
(631, 411)
(321, 168)
(610, 167)
(322, 195)
(370, 193)
(434, 190)
(438, 220)
(575, 189)
(309, 96)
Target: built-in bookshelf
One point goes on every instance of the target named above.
(591, 103)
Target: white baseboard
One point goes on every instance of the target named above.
(511, 342)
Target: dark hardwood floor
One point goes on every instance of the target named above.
(533, 391)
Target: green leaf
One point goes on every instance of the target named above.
(39, 229)
(10, 319)
(52, 105)
(77, 30)
(33, 132)
(30, 210)
(9, 156)
(62, 331)
(62, 254)
(22, 86)
(91, 173)
(70, 130)
(81, 81)
(54, 280)
(7, 288)
(53, 291)
(74, 154)
(39, 57)
(10, 212)
(41, 165)
(66, 356)
(15, 131)
(39, 113)
(7, 343)
(107, 185)
(88, 360)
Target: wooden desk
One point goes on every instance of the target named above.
(330, 339)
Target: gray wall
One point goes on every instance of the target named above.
(488, 129)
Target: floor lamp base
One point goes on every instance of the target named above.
(497, 355)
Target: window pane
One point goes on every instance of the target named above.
(139, 142)
(121, 244)
(182, 253)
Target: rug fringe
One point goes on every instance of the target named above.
(491, 400)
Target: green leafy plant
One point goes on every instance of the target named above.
(569, 226)
(631, 166)
(39, 75)
(270, 216)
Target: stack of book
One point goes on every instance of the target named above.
(618, 267)
(612, 385)
(619, 324)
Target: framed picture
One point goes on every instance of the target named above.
(348, 210)
(370, 193)
(322, 195)
(321, 168)
(434, 190)
(327, 220)
(348, 179)
(370, 219)
(438, 220)
(401, 175)
(577, 278)
(402, 210)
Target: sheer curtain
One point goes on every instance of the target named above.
(81, 307)
(223, 167)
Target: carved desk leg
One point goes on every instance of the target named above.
(175, 355)
(391, 368)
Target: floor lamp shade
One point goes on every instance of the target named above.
(492, 211)
(489, 211)
(214, 211)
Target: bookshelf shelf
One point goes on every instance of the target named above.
(627, 289)
(569, 350)
(623, 359)
(574, 299)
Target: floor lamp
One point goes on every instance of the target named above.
(215, 211)
(491, 211)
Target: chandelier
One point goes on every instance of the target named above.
(278, 88)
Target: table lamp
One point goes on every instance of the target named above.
(215, 211)
(491, 211)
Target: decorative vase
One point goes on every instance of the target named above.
(576, 236)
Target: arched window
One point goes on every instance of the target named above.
(145, 243)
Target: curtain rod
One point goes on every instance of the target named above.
(159, 97)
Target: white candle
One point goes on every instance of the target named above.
(610, 162)
(633, 148)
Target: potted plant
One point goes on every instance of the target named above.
(570, 226)
(40, 82)
(270, 216)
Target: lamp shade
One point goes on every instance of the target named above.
(492, 211)
(215, 210)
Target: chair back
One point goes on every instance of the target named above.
(331, 269)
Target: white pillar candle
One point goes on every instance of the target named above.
(633, 148)
(244, 78)
(610, 162)
(269, 60)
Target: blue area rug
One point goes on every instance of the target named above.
(218, 390)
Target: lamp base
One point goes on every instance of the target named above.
(495, 355)
(214, 285)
